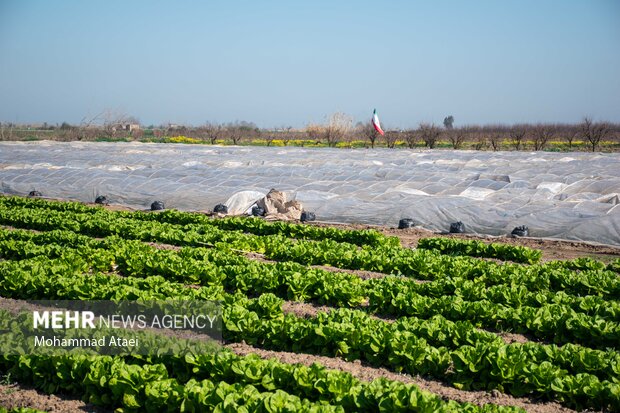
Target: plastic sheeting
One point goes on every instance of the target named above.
(560, 195)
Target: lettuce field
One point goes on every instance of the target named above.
(442, 313)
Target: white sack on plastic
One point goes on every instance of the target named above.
(242, 201)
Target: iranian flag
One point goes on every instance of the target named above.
(376, 124)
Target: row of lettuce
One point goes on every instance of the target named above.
(254, 226)
(551, 315)
(258, 226)
(418, 263)
(455, 352)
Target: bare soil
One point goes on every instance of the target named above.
(360, 273)
(163, 246)
(510, 338)
(17, 395)
(304, 310)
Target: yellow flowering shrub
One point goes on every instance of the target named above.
(183, 139)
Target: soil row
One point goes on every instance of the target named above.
(16, 395)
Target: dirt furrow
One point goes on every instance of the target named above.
(17, 395)
(161, 246)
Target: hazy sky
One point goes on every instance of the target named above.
(280, 63)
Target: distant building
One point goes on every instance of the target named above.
(129, 127)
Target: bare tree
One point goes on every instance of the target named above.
(391, 137)
(569, 134)
(594, 132)
(457, 137)
(368, 132)
(212, 131)
(542, 134)
(495, 139)
(517, 133)
(198, 133)
(254, 134)
(241, 129)
(177, 130)
(337, 128)
(481, 141)
(114, 120)
(234, 133)
(411, 137)
(315, 132)
(287, 134)
(430, 134)
(87, 129)
(65, 132)
(137, 134)
(269, 137)
(6, 131)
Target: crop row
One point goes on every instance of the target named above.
(352, 334)
(193, 221)
(452, 334)
(553, 317)
(416, 263)
(558, 316)
(111, 382)
(510, 368)
(192, 266)
(250, 225)
(259, 226)
(474, 248)
(512, 293)
(428, 265)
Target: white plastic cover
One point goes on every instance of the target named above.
(242, 202)
(561, 195)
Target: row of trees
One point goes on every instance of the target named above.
(494, 137)
(339, 129)
(517, 137)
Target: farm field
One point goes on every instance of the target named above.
(315, 318)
